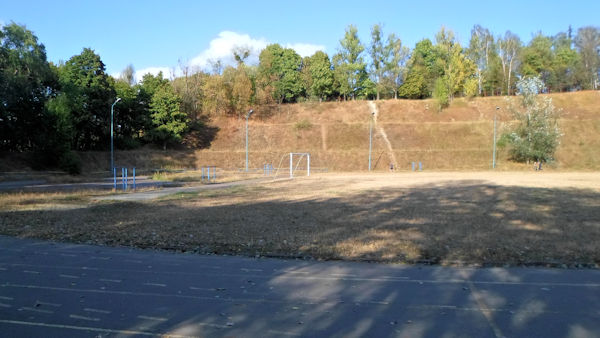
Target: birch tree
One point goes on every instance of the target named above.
(508, 50)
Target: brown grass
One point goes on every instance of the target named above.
(447, 218)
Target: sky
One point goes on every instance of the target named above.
(155, 35)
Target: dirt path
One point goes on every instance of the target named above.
(381, 131)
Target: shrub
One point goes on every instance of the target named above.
(70, 162)
(302, 125)
(440, 94)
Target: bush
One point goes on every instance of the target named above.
(440, 94)
(70, 162)
(302, 125)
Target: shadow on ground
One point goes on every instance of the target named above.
(466, 221)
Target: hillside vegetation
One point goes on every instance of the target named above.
(336, 134)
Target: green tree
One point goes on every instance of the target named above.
(452, 64)
(440, 93)
(508, 50)
(537, 135)
(395, 64)
(588, 45)
(279, 69)
(422, 72)
(319, 82)
(349, 65)
(168, 121)
(566, 62)
(132, 117)
(27, 82)
(378, 59)
(480, 49)
(87, 94)
(537, 58)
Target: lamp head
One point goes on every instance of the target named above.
(497, 108)
(118, 99)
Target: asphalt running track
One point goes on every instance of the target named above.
(65, 290)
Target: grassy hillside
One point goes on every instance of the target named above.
(337, 136)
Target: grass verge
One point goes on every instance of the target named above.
(437, 219)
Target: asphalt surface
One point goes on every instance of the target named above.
(65, 290)
(40, 185)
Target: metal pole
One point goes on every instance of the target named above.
(308, 164)
(112, 159)
(494, 146)
(370, 138)
(247, 116)
(291, 164)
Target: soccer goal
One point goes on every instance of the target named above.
(296, 163)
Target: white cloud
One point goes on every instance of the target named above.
(139, 74)
(221, 48)
(305, 49)
(167, 72)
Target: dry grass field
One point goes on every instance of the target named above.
(480, 218)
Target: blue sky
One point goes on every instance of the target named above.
(154, 35)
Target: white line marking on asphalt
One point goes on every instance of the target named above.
(110, 280)
(4, 305)
(6, 298)
(431, 281)
(98, 329)
(87, 309)
(68, 255)
(48, 304)
(3, 269)
(159, 319)
(342, 275)
(394, 277)
(156, 284)
(282, 333)
(132, 261)
(485, 311)
(35, 310)
(69, 276)
(203, 289)
(29, 271)
(251, 270)
(100, 258)
(92, 319)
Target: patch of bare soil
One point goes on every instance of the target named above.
(482, 218)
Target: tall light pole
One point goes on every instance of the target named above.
(370, 137)
(112, 158)
(247, 116)
(494, 147)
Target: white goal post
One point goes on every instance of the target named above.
(292, 168)
(307, 155)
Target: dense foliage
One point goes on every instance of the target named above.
(537, 135)
(51, 109)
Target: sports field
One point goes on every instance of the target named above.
(480, 218)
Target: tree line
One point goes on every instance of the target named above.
(52, 109)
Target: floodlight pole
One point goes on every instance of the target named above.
(494, 146)
(247, 116)
(112, 158)
(370, 138)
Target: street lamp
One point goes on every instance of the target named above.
(247, 116)
(371, 137)
(494, 147)
(112, 158)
